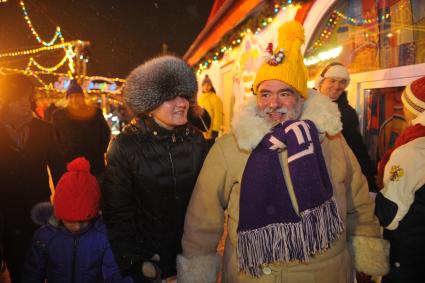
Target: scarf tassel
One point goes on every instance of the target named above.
(278, 242)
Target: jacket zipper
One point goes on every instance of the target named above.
(172, 168)
(74, 260)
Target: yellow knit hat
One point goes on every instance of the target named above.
(287, 63)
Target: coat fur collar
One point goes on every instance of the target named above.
(249, 128)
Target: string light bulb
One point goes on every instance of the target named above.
(57, 35)
(235, 40)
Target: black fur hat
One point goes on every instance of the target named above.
(158, 80)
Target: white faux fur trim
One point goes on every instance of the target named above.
(371, 255)
(249, 128)
(198, 269)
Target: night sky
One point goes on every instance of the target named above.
(122, 33)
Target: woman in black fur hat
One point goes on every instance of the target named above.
(152, 168)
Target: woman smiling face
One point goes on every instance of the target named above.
(171, 113)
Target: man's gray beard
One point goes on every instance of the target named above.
(291, 114)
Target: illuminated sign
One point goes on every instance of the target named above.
(97, 84)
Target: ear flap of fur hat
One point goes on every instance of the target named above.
(158, 80)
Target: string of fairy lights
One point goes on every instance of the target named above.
(57, 35)
(57, 43)
(36, 75)
(37, 50)
(249, 26)
(334, 18)
(68, 57)
(266, 17)
(47, 46)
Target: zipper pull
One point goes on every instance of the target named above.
(173, 138)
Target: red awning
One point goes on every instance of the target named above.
(225, 15)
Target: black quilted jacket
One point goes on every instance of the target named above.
(150, 175)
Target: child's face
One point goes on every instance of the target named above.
(75, 226)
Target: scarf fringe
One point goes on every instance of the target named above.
(318, 228)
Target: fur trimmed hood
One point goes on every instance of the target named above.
(41, 213)
(158, 80)
(249, 128)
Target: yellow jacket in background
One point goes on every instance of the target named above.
(213, 105)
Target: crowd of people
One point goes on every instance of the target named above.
(291, 184)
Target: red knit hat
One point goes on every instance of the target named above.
(413, 96)
(77, 194)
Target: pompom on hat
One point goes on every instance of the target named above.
(156, 81)
(287, 63)
(73, 87)
(413, 96)
(77, 194)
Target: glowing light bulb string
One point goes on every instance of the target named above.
(57, 35)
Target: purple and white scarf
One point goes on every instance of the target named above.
(270, 230)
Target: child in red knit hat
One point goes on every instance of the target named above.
(73, 245)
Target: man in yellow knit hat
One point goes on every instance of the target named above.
(297, 203)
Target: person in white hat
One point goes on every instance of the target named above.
(400, 205)
(332, 82)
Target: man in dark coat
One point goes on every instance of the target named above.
(332, 82)
(27, 148)
(82, 130)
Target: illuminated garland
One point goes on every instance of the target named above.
(326, 32)
(38, 50)
(39, 80)
(58, 33)
(40, 72)
(34, 73)
(105, 79)
(251, 25)
(356, 22)
(46, 69)
(331, 24)
(68, 59)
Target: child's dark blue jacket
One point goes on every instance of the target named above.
(60, 256)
